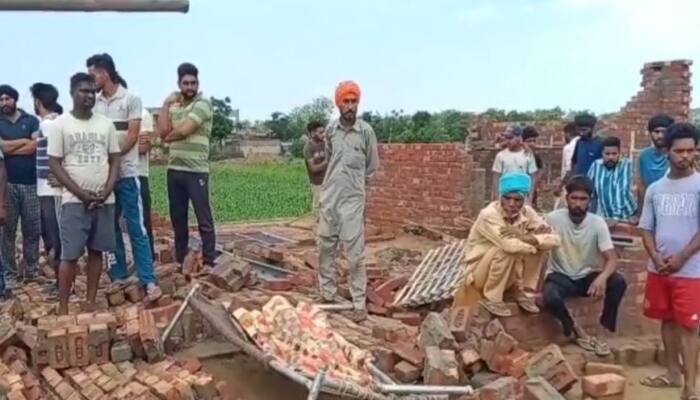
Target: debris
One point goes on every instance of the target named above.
(505, 388)
(603, 385)
(441, 367)
(406, 372)
(435, 332)
(539, 389)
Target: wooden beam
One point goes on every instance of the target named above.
(96, 5)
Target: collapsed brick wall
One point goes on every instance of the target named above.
(422, 183)
(665, 89)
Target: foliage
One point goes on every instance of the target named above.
(246, 192)
(297, 147)
(222, 123)
(293, 125)
(421, 127)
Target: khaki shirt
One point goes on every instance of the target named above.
(486, 233)
(353, 161)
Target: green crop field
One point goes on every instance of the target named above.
(246, 192)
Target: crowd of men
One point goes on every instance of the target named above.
(72, 179)
(510, 246)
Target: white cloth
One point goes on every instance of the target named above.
(567, 154)
(146, 130)
(42, 185)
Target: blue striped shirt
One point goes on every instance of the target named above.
(613, 189)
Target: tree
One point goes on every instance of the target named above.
(222, 122)
(278, 124)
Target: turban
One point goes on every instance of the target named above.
(585, 120)
(659, 121)
(10, 91)
(514, 182)
(344, 89)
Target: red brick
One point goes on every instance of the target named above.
(78, 355)
(406, 372)
(594, 368)
(387, 288)
(278, 285)
(459, 323)
(561, 376)
(540, 389)
(384, 358)
(408, 352)
(603, 385)
(544, 360)
(57, 343)
(504, 343)
(408, 318)
(512, 364)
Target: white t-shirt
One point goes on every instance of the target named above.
(42, 185)
(85, 146)
(121, 108)
(146, 130)
(520, 161)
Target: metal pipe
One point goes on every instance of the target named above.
(379, 374)
(315, 388)
(178, 314)
(96, 5)
(424, 389)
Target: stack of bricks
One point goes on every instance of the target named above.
(167, 379)
(73, 341)
(169, 281)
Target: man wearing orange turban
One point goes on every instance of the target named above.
(351, 148)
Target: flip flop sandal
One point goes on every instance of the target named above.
(497, 309)
(586, 344)
(601, 349)
(658, 382)
(527, 304)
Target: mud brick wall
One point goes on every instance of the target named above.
(423, 183)
(541, 329)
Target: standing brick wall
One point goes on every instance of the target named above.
(423, 183)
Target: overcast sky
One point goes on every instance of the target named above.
(270, 55)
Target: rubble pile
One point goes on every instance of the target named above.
(302, 337)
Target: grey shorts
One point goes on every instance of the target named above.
(81, 228)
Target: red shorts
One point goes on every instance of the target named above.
(673, 298)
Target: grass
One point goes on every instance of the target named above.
(241, 192)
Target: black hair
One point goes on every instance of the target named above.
(659, 121)
(680, 130)
(187, 69)
(579, 183)
(313, 125)
(10, 91)
(79, 78)
(530, 132)
(585, 120)
(104, 61)
(47, 96)
(611, 141)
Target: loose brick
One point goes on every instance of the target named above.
(504, 343)
(469, 357)
(492, 329)
(408, 352)
(78, 355)
(192, 365)
(544, 360)
(594, 368)
(502, 389)
(440, 367)
(459, 323)
(384, 358)
(120, 351)
(57, 342)
(408, 318)
(406, 372)
(98, 343)
(539, 389)
(636, 353)
(603, 385)
(150, 337)
(561, 376)
(487, 351)
(435, 332)
(387, 288)
(512, 364)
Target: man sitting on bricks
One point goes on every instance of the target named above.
(572, 268)
(505, 249)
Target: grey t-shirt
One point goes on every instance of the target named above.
(671, 213)
(520, 161)
(581, 245)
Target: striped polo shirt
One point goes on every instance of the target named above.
(42, 159)
(192, 153)
(121, 108)
(613, 188)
